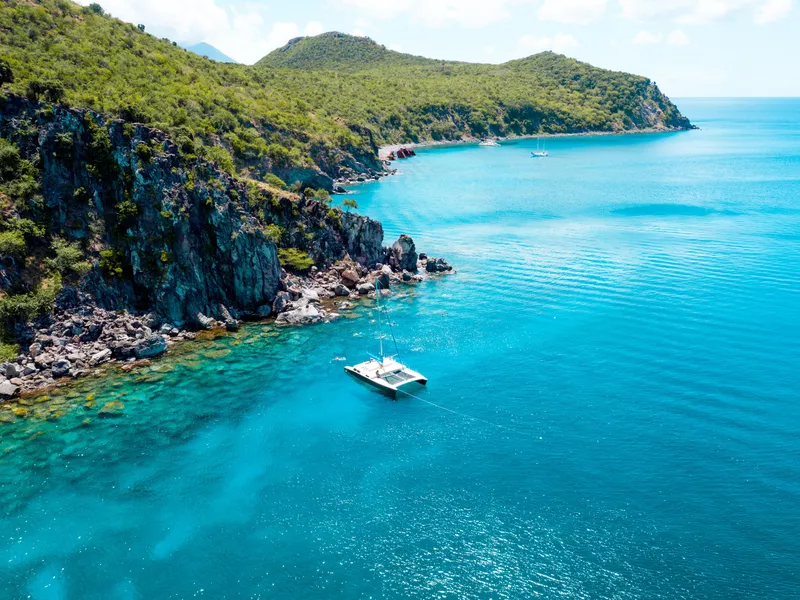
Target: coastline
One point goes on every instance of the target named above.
(133, 341)
(384, 151)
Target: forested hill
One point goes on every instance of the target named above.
(315, 109)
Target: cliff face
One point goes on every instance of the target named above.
(163, 231)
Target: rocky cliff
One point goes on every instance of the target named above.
(161, 230)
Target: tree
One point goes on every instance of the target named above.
(96, 8)
(6, 75)
(349, 203)
(52, 91)
(141, 27)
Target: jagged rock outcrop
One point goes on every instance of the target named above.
(403, 254)
(187, 239)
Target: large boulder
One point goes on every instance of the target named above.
(122, 349)
(8, 390)
(350, 278)
(404, 254)
(61, 368)
(100, 357)
(437, 265)
(150, 347)
(282, 300)
(302, 315)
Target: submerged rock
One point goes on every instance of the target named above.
(150, 347)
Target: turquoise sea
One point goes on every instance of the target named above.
(620, 345)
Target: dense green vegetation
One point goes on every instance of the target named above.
(306, 104)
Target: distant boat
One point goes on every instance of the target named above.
(539, 152)
(488, 143)
(383, 371)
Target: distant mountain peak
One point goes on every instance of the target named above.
(209, 51)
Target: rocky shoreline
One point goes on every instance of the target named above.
(79, 337)
(385, 152)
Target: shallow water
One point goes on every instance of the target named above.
(623, 336)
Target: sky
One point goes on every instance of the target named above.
(690, 48)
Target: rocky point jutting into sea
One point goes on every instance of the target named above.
(175, 245)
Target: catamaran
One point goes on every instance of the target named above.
(383, 371)
(539, 152)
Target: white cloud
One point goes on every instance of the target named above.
(572, 11)
(436, 13)
(646, 37)
(677, 38)
(773, 10)
(358, 33)
(245, 32)
(560, 43)
(695, 12)
(313, 28)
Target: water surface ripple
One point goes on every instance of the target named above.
(627, 309)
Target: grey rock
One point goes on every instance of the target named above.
(61, 368)
(150, 347)
(341, 290)
(300, 316)
(43, 361)
(365, 288)
(11, 370)
(8, 389)
(404, 254)
(203, 321)
(437, 265)
(35, 350)
(100, 357)
(350, 278)
(281, 302)
(264, 311)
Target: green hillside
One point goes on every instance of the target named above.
(339, 52)
(315, 109)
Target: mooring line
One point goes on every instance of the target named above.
(470, 417)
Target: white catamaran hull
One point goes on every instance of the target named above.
(389, 376)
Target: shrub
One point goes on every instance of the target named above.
(26, 227)
(8, 352)
(68, 258)
(321, 196)
(274, 233)
(295, 259)
(144, 152)
(33, 304)
(220, 157)
(6, 74)
(335, 217)
(111, 262)
(275, 181)
(12, 243)
(9, 160)
(127, 211)
(349, 203)
(64, 146)
(52, 91)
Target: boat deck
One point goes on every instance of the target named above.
(387, 375)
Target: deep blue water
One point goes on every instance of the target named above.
(623, 329)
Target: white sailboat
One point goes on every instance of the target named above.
(539, 152)
(488, 142)
(384, 371)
